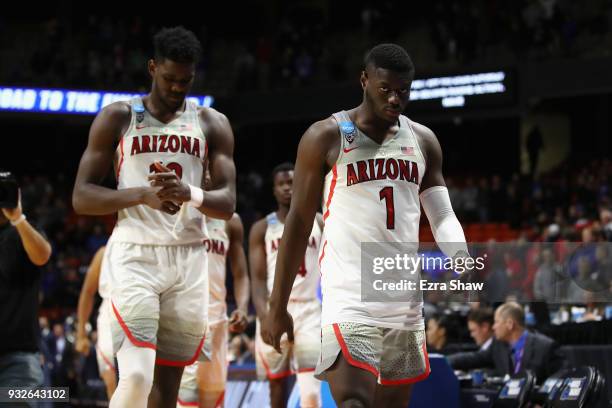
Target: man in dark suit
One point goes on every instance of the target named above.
(514, 349)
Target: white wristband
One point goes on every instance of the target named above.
(197, 196)
(19, 220)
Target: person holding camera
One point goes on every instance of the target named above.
(23, 250)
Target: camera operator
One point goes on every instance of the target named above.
(22, 251)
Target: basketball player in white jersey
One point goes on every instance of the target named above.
(369, 167)
(300, 355)
(203, 383)
(156, 263)
(104, 345)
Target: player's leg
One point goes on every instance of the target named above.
(404, 362)
(306, 348)
(393, 396)
(350, 356)
(104, 350)
(110, 381)
(188, 391)
(167, 380)
(279, 392)
(134, 322)
(274, 367)
(182, 321)
(136, 365)
(351, 386)
(212, 375)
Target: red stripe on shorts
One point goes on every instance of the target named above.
(219, 403)
(270, 374)
(186, 404)
(347, 355)
(164, 362)
(413, 379)
(129, 334)
(106, 360)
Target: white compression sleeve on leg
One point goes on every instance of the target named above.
(136, 366)
(310, 390)
(444, 223)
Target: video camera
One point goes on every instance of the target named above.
(9, 190)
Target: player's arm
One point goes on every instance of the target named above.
(34, 243)
(89, 196)
(238, 265)
(86, 300)
(219, 201)
(258, 268)
(445, 226)
(312, 162)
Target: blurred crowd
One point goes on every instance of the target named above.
(305, 44)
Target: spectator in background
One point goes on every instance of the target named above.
(514, 349)
(480, 325)
(545, 287)
(605, 217)
(60, 350)
(534, 144)
(442, 331)
(469, 199)
(23, 250)
(528, 351)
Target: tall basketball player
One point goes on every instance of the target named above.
(370, 165)
(300, 356)
(104, 346)
(156, 263)
(203, 383)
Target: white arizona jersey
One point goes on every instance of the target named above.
(181, 146)
(370, 195)
(307, 280)
(217, 245)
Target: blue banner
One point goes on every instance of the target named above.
(69, 101)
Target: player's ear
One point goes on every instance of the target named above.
(151, 67)
(363, 79)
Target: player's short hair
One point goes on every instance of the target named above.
(286, 166)
(177, 44)
(514, 311)
(389, 56)
(481, 316)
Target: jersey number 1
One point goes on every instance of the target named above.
(387, 194)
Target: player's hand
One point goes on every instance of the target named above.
(464, 266)
(82, 345)
(151, 199)
(172, 188)
(274, 326)
(238, 321)
(13, 214)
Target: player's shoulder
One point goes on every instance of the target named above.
(119, 111)
(235, 221)
(421, 130)
(323, 129)
(426, 138)
(211, 115)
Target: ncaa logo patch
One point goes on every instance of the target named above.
(139, 109)
(349, 131)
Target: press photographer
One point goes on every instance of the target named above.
(23, 250)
